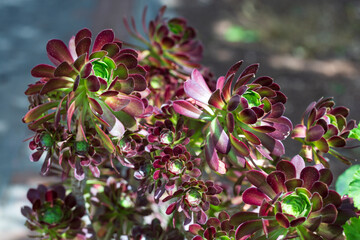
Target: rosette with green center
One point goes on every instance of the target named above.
(118, 208)
(88, 153)
(325, 130)
(214, 228)
(294, 202)
(98, 86)
(54, 215)
(170, 43)
(193, 199)
(46, 140)
(245, 120)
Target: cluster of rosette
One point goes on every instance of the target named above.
(172, 50)
(294, 201)
(215, 228)
(54, 215)
(154, 230)
(99, 87)
(245, 119)
(325, 130)
(117, 208)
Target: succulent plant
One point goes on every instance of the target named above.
(245, 120)
(118, 207)
(154, 231)
(87, 88)
(294, 201)
(194, 197)
(54, 215)
(214, 228)
(325, 130)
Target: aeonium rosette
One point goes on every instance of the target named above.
(117, 207)
(214, 228)
(101, 87)
(54, 215)
(193, 199)
(171, 42)
(325, 130)
(245, 120)
(294, 201)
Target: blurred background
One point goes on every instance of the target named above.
(310, 48)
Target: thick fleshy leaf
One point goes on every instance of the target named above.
(297, 221)
(58, 52)
(139, 82)
(65, 70)
(239, 146)
(282, 220)
(92, 83)
(316, 201)
(95, 105)
(37, 111)
(196, 87)
(314, 133)
(258, 179)
(124, 86)
(306, 234)
(248, 228)
(103, 38)
(69, 115)
(241, 217)
(83, 47)
(43, 70)
(309, 175)
(129, 60)
(233, 103)
(336, 141)
(233, 69)
(135, 107)
(216, 100)
(264, 129)
(294, 183)
(212, 157)
(299, 164)
(329, 213)
(277, 110)
(241, 81)
(116, 103)
(171, 208)
(56, 83)
(320, 188)
(326, 176)
(322, 145)
(195, 228)
(107, 143)
(251, 137)
(83, 33)
(276, 180)
(287, 168)
(213, 222)
(219, 137)
(230, 122)
(247, 116)
(334, 198)
(330, 231)
(226, 90)
(187, 109)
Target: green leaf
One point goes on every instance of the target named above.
(342, 184)
(352, 229)
(354, 189)
(355, 133)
